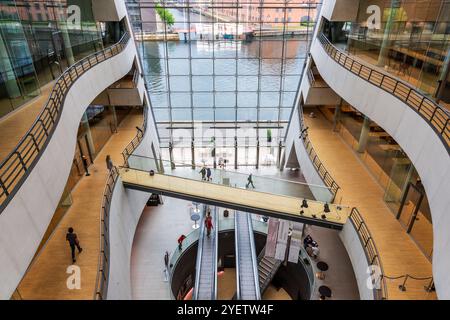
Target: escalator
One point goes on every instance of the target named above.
(205, 287)
(247, 279)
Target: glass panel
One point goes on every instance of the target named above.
(232, 73)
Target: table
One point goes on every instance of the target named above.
(322, 266)
(324, 292)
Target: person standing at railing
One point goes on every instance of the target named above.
(73, 242)
(180, 242)
(109, 163)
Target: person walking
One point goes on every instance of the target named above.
(73, 242)
(109, 163)
(250, 181)
(208, 223)
(203, 172)
(85, 165)
(166, 260)
(208, 174)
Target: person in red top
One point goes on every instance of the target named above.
(180, 241)
(208, 223)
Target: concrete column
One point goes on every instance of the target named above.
(364, 137)
(62, 26)
(279, 159)
(257, 154)
(192, 154)
(235, 153)
(172, 164)
(114, 114)
(385, 44)
(337, 116)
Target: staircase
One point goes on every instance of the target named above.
(267, 268)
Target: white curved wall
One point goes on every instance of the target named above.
(352, 243)
(25, 219)
(310, 173)
(125, 211)
(422, 145)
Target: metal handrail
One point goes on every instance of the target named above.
(437, 117)
(16, 167)
(129, 149)
(198, 262)
(311, 78)
(370, 250)
(101, 283)
(216, 253)
(318, 165)
(254, 259)
(236, 253)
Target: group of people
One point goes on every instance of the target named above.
(311, 246)
(206, 174)
(209, 225)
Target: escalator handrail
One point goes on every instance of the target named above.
(198, 263)
(236, 246)
(216, 252)
(254, 257)
(15, 168)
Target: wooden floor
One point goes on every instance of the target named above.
(285, 205)
(399, 254)
(15, 125)
(46, 279)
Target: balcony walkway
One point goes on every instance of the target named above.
(399, 254)
(14, 126)
(278, 202)
(46, 278)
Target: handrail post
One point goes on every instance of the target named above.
(402, 287)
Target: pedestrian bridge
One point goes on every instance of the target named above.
(271, 197)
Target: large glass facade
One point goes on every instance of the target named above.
(390, 167)
(38, 41)
(409, 38)
(223, 76)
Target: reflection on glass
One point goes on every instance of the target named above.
(240, 65)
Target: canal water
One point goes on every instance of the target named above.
(223, 80)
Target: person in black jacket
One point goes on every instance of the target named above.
(73, 242)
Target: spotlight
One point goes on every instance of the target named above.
(326, 208)
(152, 173)
(304, 204)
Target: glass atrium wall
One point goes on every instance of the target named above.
(223, 75)
(38, 41)
(412, 41)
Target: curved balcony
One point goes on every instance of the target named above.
(33, 176)
(437, 117)
(15, 168)
(418, 124)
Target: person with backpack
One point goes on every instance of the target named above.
(250, 181)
